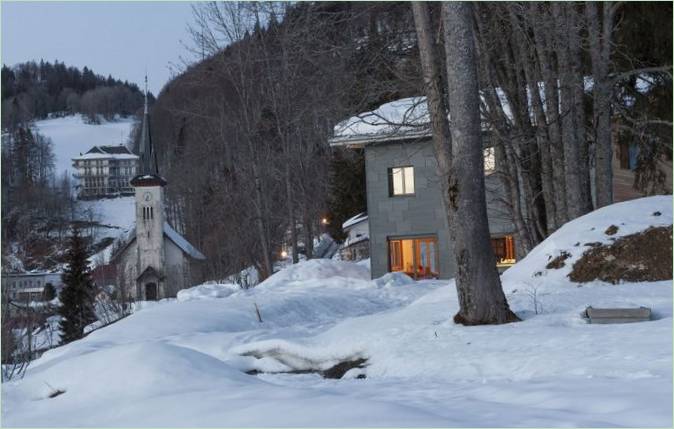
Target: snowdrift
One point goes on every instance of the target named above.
(183, 362)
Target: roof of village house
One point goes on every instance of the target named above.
(408, 118)
(355, 220)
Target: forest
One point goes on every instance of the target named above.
(33, 91)
(241, 134)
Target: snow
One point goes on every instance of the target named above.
(182, 362)
(72, 136)
(360, 217)
(407, 116)
(106, 156)
(207, 291)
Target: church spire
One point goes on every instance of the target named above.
(148, 158)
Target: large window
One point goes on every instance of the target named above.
(416, 257)
(401, 181)
(504, 249)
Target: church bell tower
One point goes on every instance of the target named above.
(149, 196)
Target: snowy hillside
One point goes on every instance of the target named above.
(184, 362)
(72, 136)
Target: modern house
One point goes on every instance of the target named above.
(26, 287)
(155, 261)
(356, 246)
(408, 229)
(105, 171)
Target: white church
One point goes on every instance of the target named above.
(155, 261)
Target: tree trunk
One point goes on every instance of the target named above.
(600, 48)
(291, 214)
(567, 108)
(481, 298)
(544, 53)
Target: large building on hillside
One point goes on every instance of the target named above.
(105, 171)
(26, 287)
(155, 261)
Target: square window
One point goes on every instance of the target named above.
(401, 181)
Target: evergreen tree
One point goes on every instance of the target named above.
(77, 297)
(49, 292)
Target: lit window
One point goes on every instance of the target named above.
(504, 250)
(489, 160)
(416, 257)
(401, 181)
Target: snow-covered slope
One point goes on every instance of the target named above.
(72, 136)
(182, 362)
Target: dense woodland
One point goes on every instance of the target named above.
(32, 91)
(242, 133)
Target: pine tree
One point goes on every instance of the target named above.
(77, 297)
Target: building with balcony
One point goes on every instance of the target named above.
(105, 171)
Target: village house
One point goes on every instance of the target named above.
(356, 246)
(105, 171)
(27, 287)
(408, 229)
(154, 261)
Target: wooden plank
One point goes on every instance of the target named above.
(618, 315)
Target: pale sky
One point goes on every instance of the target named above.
(122, 39)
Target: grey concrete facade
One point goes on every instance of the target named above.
(421, 214)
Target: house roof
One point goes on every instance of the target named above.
(402, 119)
(409, 119)
(107, 152)
(360, 217)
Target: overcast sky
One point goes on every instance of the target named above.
(117, 38)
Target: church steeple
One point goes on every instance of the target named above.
(148, 157)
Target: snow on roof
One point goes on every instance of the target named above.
(408, 116)
(105, 156)
(181, 242)
(360, 217)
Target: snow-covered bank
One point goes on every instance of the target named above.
(182, 362)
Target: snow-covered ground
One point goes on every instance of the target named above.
(182, 362)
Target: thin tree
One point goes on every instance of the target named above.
(77, 297)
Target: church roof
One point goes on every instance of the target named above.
(182, 242)
(149, 272)
(172, 235)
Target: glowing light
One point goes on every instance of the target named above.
(324, 221)
(284, 254)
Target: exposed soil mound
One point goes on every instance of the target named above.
(642, 257)
(558, 262)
